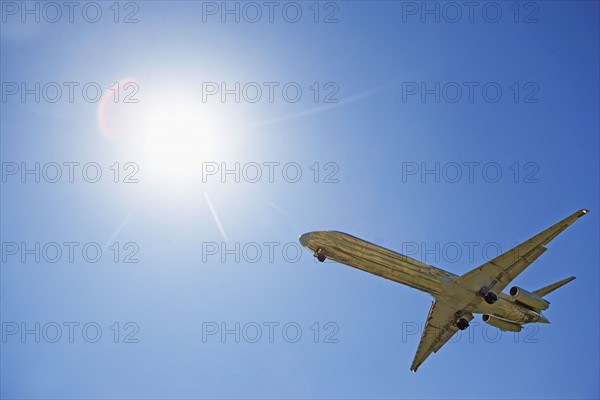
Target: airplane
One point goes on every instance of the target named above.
(456, 298)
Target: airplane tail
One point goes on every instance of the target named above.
(551, 288)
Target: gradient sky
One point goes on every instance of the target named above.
(386, 111)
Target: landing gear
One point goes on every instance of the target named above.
(462, 324)
(489, 297)
(320, 256)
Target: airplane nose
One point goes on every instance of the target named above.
(303, 239)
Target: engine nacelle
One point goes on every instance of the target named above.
(531, 300)
(502, 324)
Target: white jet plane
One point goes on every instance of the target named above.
(457, 298)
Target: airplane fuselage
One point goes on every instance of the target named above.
(442, 285)
(457, 298)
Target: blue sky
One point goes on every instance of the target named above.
(427, 133)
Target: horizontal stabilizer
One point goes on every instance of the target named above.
(551, 288)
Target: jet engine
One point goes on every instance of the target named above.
(501, 324)
(531, 300)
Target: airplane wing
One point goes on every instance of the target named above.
(439, 328)
(498, 273)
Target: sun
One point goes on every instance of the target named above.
(175, 138)
(169, 132)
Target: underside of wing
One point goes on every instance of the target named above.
(499, 272)
(439, 328)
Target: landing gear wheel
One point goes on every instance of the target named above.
(320, 256)
(490, 297)
(462, 324)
